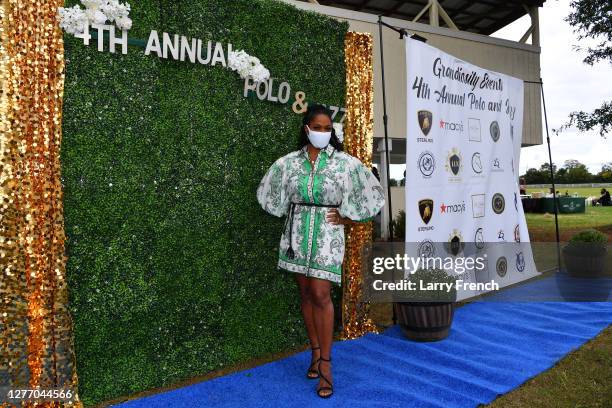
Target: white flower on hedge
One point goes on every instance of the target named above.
(339, 129)
(93, 4)
(259, 73)
(115, 10)
(247, 66)
(72, 19)
(123, 23)
(95, 16)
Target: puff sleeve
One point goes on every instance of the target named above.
(272, 190)
(362, 196)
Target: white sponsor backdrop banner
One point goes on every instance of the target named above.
(462, 159)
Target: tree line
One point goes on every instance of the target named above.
(571, 172)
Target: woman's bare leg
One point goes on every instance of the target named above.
(323, 308)
(307, 313)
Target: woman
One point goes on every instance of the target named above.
(321, 189)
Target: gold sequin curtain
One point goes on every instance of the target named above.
(358, 139)
(36, 344)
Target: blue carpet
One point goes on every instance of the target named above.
(557, 287)
(493, 348)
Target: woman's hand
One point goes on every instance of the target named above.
(334, 218)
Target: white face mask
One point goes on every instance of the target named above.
(318, 139)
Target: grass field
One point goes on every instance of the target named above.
(581, 191)
(542, 226)
(582, 380)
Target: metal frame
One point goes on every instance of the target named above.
(346, 14)
(481, 16)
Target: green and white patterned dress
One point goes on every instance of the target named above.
(339, 178)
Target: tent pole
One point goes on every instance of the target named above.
(382, 66)
(385, 118)
(552, 179)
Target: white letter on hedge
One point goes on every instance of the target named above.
(248, 86)
(185, 49)
(153, 44)
(115, 40)
(262, 94)
(283, 97)
(218, 56)
(270, 86)
(100, 28)
(174, 46)
(208, 53)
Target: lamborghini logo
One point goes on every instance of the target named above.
(426, 209)
(425, 121)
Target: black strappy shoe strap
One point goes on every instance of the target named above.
(312, 370)
(331, 386)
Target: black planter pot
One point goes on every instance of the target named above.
(425, 321)
(585, 261)
(582, 289)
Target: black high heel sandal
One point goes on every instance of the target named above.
(311, 370)
(330, 387)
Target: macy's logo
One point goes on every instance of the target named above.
(452, 126)
(452, 209)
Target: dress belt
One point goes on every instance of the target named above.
(290, 254)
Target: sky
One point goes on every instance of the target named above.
(569, 85)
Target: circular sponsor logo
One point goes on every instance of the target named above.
(427, 164)
(494, 128)
(498, 203)
(476, 163)
(426, 249)
(501, 266)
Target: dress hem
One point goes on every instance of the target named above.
(310, 272)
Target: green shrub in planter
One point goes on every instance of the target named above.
(429, 314)
(585, 254)
(433, 276)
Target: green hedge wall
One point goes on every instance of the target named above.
(171, 261)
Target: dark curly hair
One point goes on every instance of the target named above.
(312, 111)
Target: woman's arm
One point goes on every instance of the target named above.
(362, 196)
